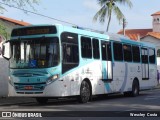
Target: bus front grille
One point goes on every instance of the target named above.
(29, 92)
(29, 87)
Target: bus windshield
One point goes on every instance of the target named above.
(34, 53)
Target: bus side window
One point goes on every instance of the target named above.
(152, 56)
(118, 54)
(106, 51)
(136, 53)
(95, 44)
(127, 51)
(144, 55)
(86, 47)
(70, 53)
(158, 53)
(70, 57)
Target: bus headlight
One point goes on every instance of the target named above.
(52, 78)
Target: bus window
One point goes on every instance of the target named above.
(152, 56)
(70, 53)
(118, 54)
(136, 53)
(106, 51)
(158, 53)
(95, 44)
(15, 49)
(34, 53)
(127, 53)
(144, 55)
(86, 47)
(43, 51)
(145, 65)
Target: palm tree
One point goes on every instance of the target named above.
(108, 7)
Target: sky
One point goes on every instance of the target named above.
(81, 13)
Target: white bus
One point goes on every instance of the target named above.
(49, 61)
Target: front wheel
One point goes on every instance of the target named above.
(85, 92)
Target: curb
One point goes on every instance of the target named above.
(157, 87)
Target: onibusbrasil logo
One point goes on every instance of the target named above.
(21, 115)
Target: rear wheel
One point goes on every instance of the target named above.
(127, 94)
(135, 89)
(42, 100)
(85, 92)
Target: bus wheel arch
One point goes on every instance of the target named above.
(85, 91)
(135, 87)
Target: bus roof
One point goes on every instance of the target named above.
(110, 36)
(95, 34)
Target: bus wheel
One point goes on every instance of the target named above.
(85, 92)
(135, 89)
(42, 100)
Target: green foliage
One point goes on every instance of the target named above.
(4, 32)
(23, 4)
(108, 7)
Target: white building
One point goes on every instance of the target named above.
(156, 22)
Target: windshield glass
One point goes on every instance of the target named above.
(35, 53)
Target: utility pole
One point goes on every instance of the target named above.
(124, 25)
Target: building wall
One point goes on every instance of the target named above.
(156, 23)
(152, 40)
(8, 26)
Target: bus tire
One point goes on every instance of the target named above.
(127, 94)
(42, 100)
(85, 92)
(135, 88)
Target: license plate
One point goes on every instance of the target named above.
(28, 87)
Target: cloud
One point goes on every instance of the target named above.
(91, 4)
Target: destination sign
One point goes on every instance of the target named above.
(35, 30)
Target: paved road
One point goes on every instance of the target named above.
(147, 101)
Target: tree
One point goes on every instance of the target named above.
(23, 4)
(3, 32)
(108, 7)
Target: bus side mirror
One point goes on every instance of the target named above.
(6, 50)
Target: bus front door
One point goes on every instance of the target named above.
(107, 68)
(145, 64)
